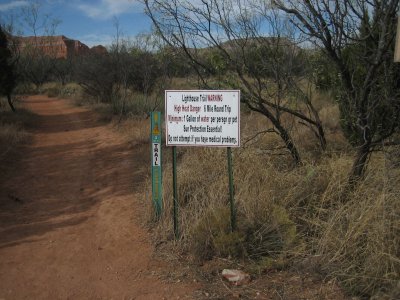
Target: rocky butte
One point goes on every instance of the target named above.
(57, 46)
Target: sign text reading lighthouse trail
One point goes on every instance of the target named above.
(202, 118)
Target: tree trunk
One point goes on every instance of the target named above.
(283, 133)
(287, 139)
(320, 128)
(359, 164)
(321, 135)
(10, 103)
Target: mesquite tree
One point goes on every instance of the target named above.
(358, 37)
(243, 44)
(35, 65)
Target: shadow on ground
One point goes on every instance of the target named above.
(49, 187)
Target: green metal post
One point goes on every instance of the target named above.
(175, 188)
(156, 172)
(231, 190)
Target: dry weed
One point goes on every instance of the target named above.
(289, 214)
(136, 129)
(360, 239)
(13, 128)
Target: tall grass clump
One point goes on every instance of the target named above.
(136, 129)
(288, 216)
(13, 127)
(359, 241)
(268, 201)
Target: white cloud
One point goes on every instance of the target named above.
(108, 8)
(95, 39)
(106, 40)
(12, 5)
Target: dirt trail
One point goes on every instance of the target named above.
(69, 224)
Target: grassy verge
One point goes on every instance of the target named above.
(13, 127)
(290, 217)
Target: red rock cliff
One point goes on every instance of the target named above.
(56, 46)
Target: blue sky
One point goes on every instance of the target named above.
(90, 21)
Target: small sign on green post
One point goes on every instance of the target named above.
(156, 173)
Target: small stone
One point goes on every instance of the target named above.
(236, 277)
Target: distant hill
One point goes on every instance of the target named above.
(241, 44)
(259, 41)
(57, 46)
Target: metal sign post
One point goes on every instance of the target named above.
(231, 190)
(397, 48)
(175, 192)
(156, 172)
(202, 118)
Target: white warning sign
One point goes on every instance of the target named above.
(202, 118)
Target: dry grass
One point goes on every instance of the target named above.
(13, 127)
(137, 129)
(291, 215)
(10, 136)
(287, 215)
(360, 240)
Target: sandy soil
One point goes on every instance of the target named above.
(69, 218)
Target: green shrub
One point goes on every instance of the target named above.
(53, 92)
(212, 236)
(271, 235)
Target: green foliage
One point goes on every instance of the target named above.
(34, 67)
(269, 263)
(212, 236)
(173, 62)
(144, 70)
(229, 244)
(63, 70)
(53, 92)
(274, 57)
(218, 64)
(324, 73)
(268, 236)
(96, 74)
(369, 106)
(106, 77)
(383, 94)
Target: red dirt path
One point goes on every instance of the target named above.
(69, 218)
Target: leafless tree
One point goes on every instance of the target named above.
(153, 76)
(35, 65)
(253, 44)
(358, 37)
